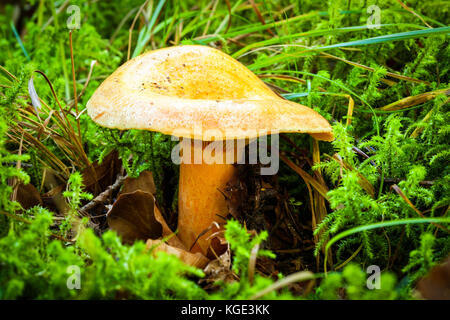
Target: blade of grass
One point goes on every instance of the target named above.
(19, 41)
(355, 64)
(146, 33)
(406, 199)
(378, 225)
(364, 42)
(414, 100)
(292, 278)
(306, 177)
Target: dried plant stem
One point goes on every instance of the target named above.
(102, 197)
(75, 97)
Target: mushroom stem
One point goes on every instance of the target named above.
(201, 200)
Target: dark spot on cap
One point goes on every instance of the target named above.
(99, 115)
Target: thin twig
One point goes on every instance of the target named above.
(102, 197)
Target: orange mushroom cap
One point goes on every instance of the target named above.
(178, 89)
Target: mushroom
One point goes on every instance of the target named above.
(200, 93)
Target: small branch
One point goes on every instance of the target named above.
(427, 183)
(102, 197)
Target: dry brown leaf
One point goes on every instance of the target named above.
(414, 100)
(54, 199)
(55, 191)
(105, 173)
(306, 177)
(144, 183)
(193, 259)
(436, 286)
(219, 270)
(217, 246)
(133, 217)
(173, 240)
(28, 196)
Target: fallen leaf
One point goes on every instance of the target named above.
(193, 259)
(54, 198)
(218, 245)
(167, 232)
(436, 286)
(144, 183)
(133, 217)
(28, 196)
(219, 270)
(105, 173)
